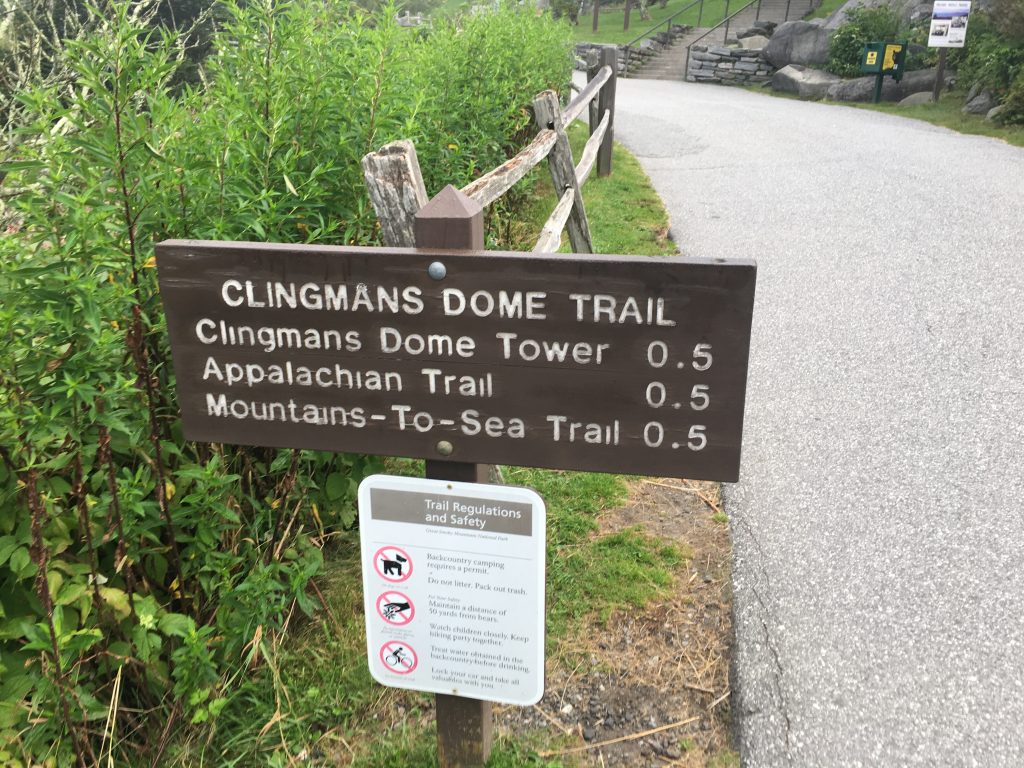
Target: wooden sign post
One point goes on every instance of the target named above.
(465, 727)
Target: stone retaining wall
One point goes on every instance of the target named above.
(728, 66)
(638, 54)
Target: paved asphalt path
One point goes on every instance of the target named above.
(878, 525)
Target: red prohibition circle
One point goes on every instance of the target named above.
(392, 564)
(395, 608)
(398, 657)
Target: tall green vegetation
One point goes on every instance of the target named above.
(35, 36)
(863, 25)
(993, 57)
(140, 574)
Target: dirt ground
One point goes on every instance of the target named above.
(653, 686)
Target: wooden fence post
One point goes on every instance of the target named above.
(548, 114)
(593, 66)
(396, 189)
(606, 100)
(465, 727)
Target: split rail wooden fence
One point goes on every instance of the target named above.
(395, 182)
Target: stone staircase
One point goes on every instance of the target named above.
(670, 63)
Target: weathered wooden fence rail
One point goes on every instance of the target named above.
(395, 182)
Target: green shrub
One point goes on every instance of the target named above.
(1008, 16)
(864, 25)
(1013, 103)
(989, 58)
(139, 572)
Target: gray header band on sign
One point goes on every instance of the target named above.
(466, 512)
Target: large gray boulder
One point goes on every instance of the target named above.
(921, 80)
(809, 84)
(995, 112)
(980, 104)
(755, 42)
(798, 42)
(921, 97)
(863, 88)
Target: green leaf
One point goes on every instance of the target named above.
(176, 625)
(116, 599)
(80, 640)
(7, 546)
(21, 562)
(11, 166)
(70, 592)
(336, 486)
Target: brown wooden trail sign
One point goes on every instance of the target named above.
(463, 357)
(606, 363)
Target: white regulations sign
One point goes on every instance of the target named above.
(453, 587)
(949, 23)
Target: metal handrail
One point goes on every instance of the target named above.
(726, 21)
(642, 35)
(664, 22)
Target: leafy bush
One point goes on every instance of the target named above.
(1008, 16)
(140, 573)
(864, 25)
(1013, 104)
(989, 58)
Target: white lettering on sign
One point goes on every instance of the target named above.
(432, 344)
(514, 305)
(595, 433)
(252, 374)
(450, 384)
(288, 412)
(270, 339)
(580, 352)
(599, 307)
(332, 298)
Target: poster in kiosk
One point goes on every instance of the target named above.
(453, 587)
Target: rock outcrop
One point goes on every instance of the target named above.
(807, 83)
(798, 42)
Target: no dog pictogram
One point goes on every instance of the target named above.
(392, 564)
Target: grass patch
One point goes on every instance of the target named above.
(610, 21)
(826, 9)
(626, 215)
(947, 114)
(590, 577)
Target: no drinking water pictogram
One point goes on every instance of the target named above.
(392, 564)
(399, 657)
(395, 608)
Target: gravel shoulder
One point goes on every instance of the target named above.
(878, 540)
(650, 688)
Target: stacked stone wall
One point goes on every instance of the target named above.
(637, 55)
(728, 66)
